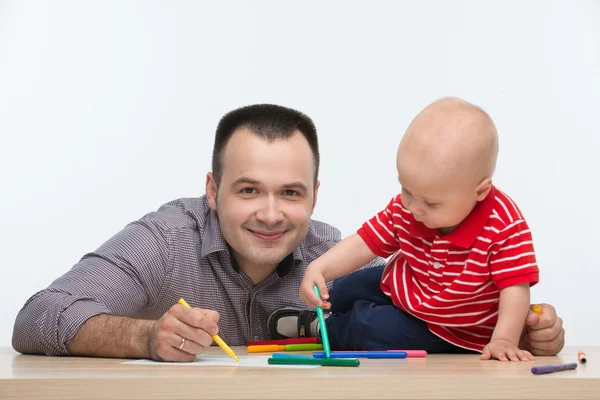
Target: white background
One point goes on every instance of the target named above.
(108, 110)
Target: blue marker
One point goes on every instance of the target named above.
(361, 354)
(287, 355)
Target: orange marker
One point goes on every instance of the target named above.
(537, 309)
(581, 357)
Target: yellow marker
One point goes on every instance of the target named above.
(216, 338)
(537, 309)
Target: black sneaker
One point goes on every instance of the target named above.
(297, 323)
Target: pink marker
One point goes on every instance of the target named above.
(409, 353)
(412, 353)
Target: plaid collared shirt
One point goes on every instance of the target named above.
(143, 270)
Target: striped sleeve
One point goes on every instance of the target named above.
(379, 232)
(512, 257)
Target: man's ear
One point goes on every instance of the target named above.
(211, 191)
(483, 189)
(316, 194)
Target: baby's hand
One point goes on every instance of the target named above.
(314, 277)
(504, 350)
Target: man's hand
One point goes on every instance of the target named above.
(196, 325)
(544, 334)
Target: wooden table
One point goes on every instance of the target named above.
(437, 376)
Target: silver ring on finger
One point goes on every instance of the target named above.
(182, 344)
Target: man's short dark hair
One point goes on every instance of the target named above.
(267, 121)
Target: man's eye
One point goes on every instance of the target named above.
(248, 190)
(290, 192)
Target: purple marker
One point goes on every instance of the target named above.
(547, 369)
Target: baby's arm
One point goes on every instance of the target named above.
(512, 312)
(342, 259)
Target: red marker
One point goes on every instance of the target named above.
(302, 340)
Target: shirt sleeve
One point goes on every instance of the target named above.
(379, 233)
(119, 278)
(512, 257)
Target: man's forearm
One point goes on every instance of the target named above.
(112, 336)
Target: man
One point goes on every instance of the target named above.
(237, 255)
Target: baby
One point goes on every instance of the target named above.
(462, 258)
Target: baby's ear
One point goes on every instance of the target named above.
(483, 189)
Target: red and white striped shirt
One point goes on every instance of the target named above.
(452, 282)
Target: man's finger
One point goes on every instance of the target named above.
(547, 352)
(549, 347)
(545, 320)
(177, 355)
(201, 319)
(547, 334)
(532, 318)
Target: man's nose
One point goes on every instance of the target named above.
(270, 213)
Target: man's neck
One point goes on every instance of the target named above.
(255, 272)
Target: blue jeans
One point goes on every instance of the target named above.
(364, 318)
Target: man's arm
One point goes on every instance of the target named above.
(112, 336)
(119, 278)
(123, 337)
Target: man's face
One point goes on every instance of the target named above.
(265, 198)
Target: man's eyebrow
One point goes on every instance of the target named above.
(296, 185)
(246, 180)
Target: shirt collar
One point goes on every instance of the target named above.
(465, 234)
(284, 267)
(213, 241)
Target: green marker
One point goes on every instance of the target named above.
(326, 362)
(303, 347)
(324, 337)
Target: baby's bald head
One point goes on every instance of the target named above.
(453, 140)
(445, 162)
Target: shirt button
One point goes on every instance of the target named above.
(437, 265)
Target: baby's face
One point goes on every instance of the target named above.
(434, 198)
